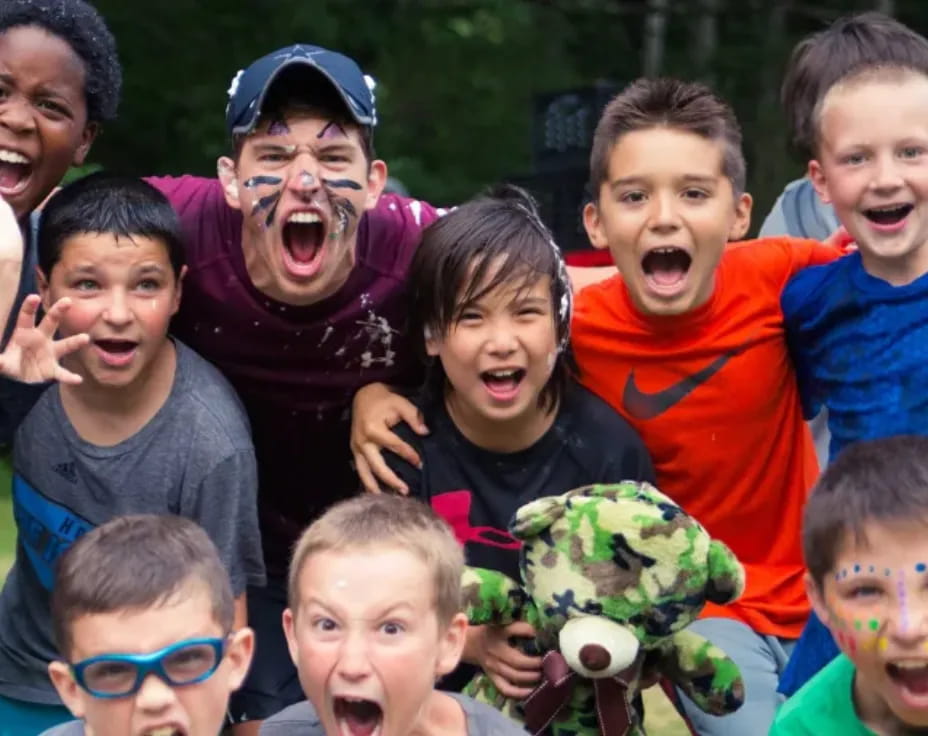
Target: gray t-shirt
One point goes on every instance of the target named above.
(194, 458)
(71, 728)
(301, 720)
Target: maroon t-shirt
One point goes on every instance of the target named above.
(297, 368)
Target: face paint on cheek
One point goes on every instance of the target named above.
(342, 184)
(269, 203)
(257, 181)
(343, 209)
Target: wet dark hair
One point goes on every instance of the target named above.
(848, 47)
(459, 251)
(84, 30)
(133, 563)
(106, 203)
(884, 481)
(303, 87)
(668, 103)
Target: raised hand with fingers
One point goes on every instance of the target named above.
(33, 354)
(375, 411)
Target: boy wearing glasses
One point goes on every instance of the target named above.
(143, 614)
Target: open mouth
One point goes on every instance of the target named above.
(115, 352)
(665, 268)
(912, 676)
(304, 237)
(165, 731)
(358, 716)
(503, 384)
(889, 215)
(15, 170)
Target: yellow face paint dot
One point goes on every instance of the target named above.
(882, 643)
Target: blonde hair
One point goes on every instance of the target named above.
(372, 521)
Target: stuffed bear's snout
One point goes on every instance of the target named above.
(596, 647)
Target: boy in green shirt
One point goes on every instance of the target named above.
(866, 547)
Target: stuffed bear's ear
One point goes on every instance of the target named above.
(536, 516)
(490, 597)
(726, 576)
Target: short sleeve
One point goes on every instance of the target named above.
(226, 507)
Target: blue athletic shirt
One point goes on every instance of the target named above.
(860, 349)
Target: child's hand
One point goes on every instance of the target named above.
(32, 354)
(374, 412)
(508, 668)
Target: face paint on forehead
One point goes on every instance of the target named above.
(278, 127)
(332, 130)
(342, 184)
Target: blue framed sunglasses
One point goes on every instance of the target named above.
(118, 675)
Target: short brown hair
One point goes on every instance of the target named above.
(382, 520)
(883, 480)
(668, 103)
(847, 48)
(136, 562)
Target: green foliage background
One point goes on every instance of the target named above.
(456, 78)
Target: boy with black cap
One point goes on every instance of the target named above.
(295, 290)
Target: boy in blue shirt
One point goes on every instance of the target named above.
(858, 327)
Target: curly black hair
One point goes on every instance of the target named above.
(80, 25)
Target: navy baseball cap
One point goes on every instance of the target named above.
(249, 87)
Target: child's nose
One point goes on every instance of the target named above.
(15, 115)
(154, 695)
(117, 311)
(354, 660)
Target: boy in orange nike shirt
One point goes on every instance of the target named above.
(688, 345)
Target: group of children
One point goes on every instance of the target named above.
(299, 282)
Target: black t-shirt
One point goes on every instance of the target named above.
(477, 491)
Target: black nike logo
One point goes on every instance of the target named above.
(647, 405)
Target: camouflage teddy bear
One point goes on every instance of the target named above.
(611, 576)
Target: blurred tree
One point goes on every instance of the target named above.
(457, 78)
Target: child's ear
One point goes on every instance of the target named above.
(593, 225)
(819, 183)
(376, 181)
(451, 645)
(225, 169)
(87, 138)
(240, 650)
(289, 622)
(816, 598)
(742, 221)
(67, 687)
(179, 290)
(42, 283)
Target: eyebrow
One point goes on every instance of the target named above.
(151, 268)
(47, 88)
(689, 178)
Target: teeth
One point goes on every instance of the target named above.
(888, 208)
(910, 665)
(304, 217)
(502, 374)
(165, 731)
(665, 251)
(11, 157)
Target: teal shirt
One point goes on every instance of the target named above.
(824, 706)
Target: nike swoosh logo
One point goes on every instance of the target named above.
(649, 405)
